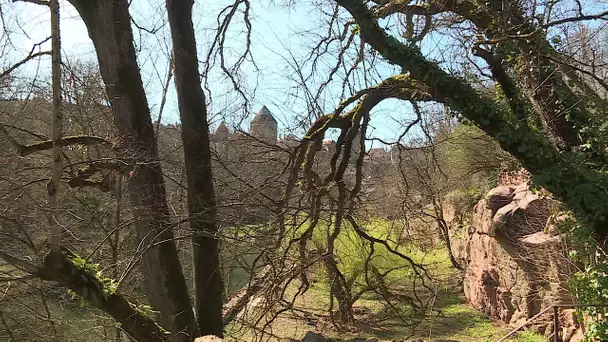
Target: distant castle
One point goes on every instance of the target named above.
(263, 127)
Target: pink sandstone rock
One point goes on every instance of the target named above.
(516, 265)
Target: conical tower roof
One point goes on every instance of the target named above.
(222, 129)
(264, 115)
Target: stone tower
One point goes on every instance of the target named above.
(264, 125)
(222, 133)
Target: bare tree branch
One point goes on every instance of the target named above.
(19, 263)
(599, 16)
(25, 150)
(23, 61)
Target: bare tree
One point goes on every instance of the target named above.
(544, 116)
(197, 157)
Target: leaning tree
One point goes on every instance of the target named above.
(548, 109)
(542, 103)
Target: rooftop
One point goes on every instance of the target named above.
(264, 115)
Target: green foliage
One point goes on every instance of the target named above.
(466, 198)
(591, 287)
(146, 310)
(471, 159)
(353, 253)
(590, 283)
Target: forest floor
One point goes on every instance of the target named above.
(451, 318)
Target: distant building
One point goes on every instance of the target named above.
(222, 133)
(264, 125)
(377, 153)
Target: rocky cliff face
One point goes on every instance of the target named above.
(516, 265)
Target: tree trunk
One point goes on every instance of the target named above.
(197, 155)
(444, 233)
(109, 26)
(55, 182)
(339, 290)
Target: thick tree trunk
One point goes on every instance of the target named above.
(201, 195)
(541, 75)
(339, 289)
(109, 26)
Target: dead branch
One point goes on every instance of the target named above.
(240, 299)
(36, 2)
(23, 61)
(599, 16)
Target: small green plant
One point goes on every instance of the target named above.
(590, 283)
(146, 310)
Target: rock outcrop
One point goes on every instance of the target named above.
(516, 262)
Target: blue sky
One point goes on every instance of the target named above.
(277, 34)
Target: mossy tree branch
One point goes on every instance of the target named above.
(60, 267)
(563, 173)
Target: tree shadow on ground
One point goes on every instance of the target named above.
(451, 316)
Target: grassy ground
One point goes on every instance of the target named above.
(452, 317)
(456, 321)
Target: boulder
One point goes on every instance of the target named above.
(313, 337)
(499, 197)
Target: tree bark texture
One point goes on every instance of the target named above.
(108, 24)
(197, 155)
(57, 131)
